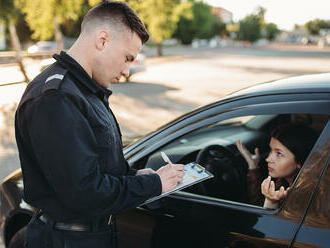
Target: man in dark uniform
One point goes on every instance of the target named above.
(69, 141)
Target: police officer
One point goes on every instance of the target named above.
(69, 141)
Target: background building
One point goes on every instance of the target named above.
(224, 15)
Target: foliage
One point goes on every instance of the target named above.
(93, 2)
(161, 16)
(271, 31)
(9, 10)
(203, 25)
(71, 28)
(260, 12)
(253, 25)
(40, 14)
(314, 26)
(249, 28)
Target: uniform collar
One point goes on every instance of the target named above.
(79, 73)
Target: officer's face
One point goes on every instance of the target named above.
(114, 59)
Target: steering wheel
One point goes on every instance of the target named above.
(229, 172)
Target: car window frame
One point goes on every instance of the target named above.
(255, 109)
(309, 170)
(217, 108)
(254, 208)
(306, 224)
(285, 107)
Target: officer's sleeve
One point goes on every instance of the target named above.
(130, 171)
(65, 149)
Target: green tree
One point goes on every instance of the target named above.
(249, 28)
(71, 28)
(261, 11)
(203, 25)
(161, 17)
(271, 31)
(9, 12)
(45, 17)
(314, 26)
(92, 3)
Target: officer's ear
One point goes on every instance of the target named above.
(102, 37)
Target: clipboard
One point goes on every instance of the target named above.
(194, 173)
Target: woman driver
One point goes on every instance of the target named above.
(289, 147)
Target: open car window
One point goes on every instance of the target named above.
(214, 147)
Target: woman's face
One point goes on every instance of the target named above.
(281, 161)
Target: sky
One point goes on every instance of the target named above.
(284, 13)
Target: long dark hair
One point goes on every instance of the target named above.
(299, 139)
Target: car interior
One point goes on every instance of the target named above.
(214, 148)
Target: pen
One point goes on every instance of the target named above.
(166, 159)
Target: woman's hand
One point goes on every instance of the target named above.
(272, 196)
(252, 159)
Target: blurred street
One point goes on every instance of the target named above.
(171, 86)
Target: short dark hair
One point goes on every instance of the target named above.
(298, 138)
(111, 10)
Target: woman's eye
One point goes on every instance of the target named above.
(278, 154)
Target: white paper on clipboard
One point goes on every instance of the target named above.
(194, 173)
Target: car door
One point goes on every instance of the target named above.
(190, 219)
(315, 227)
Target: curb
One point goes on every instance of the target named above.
(14, 83)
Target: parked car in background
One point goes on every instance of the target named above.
(136, 66)
(45, 63)
(43, 46)
(215, 213)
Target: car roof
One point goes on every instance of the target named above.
(315, 83)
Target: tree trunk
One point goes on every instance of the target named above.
(160, 49)
(17, 47)
(58, 35)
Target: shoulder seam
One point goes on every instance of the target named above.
(55, 76)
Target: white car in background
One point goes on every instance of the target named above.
(43, 46)
(137, 65)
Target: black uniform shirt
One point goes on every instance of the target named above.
(70, 148)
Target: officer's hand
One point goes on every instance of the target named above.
(145, 171)
(170, 175)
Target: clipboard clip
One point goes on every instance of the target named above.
(197, 166)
